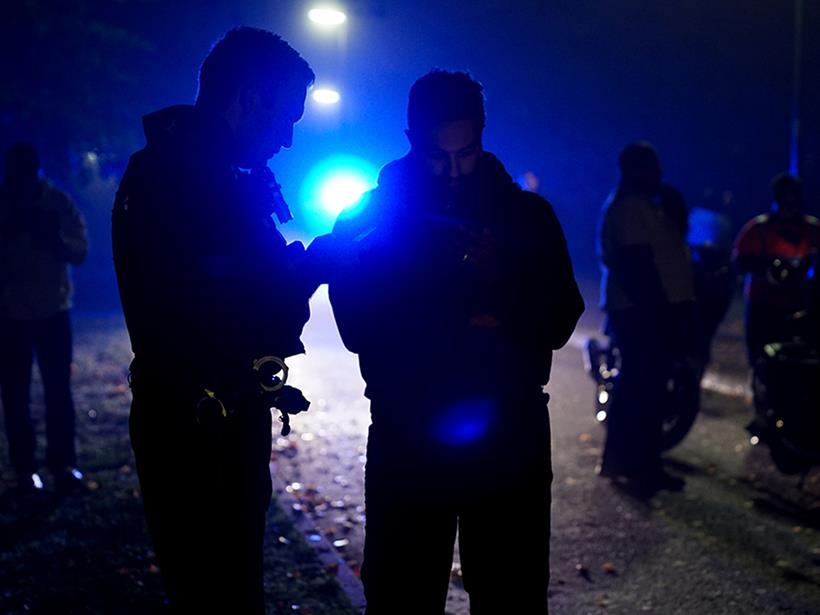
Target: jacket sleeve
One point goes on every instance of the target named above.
(357, 287)
(539, 297)
(364, 294)
(73, 232)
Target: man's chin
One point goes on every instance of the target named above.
(257, 160)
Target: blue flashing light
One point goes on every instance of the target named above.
(335, 185)
(340, 191)
(464, 423)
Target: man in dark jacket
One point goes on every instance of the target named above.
(458, 286)
(208, 287)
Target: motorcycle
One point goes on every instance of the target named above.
(602, 361)
(709, 252)
(785, 376)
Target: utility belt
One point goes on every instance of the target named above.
(262, 386)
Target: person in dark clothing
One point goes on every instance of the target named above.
(457, 287)
(786, 238)
(208, 287)
(647, 291)
(41, 233)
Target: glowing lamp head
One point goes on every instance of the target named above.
(327, 16)
(326, 96)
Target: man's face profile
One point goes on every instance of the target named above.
(269, 115)
(450, 151)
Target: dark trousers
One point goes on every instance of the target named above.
(206, 488)
(418, 493)
(48, 339)
(646, 338)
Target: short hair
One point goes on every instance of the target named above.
(637, 156)
(444, 96)
(248, 56)
(784, 184)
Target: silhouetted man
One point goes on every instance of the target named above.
(647, 292)
(785, 237)
(41, 233)
(208, 287)
(458, 288)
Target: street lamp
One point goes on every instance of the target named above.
(327, 16)
(326, 96)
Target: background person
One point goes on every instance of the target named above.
(41, 233)
(647, 291)
(783, 237)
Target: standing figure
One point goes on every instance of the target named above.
(41, 233)
(211, 291)
(770, 251)
(647, 292)
(456, 289)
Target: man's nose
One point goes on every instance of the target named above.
(455, 169)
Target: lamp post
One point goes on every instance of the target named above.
(794, 157)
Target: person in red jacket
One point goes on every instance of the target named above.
(770, 251)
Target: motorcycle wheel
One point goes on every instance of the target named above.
(682, 406)
(787, 461)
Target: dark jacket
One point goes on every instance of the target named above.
(207, 282)
(408, 304)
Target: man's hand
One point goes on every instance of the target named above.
(323, 256)
(478, 250)
(288, 400)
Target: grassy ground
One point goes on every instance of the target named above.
(90, 553)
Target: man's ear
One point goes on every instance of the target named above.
(248, 97)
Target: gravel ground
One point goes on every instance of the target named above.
(90, 553)
(741, 537)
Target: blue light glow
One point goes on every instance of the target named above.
(464, 423)
(334, 185)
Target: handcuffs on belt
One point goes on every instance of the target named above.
(268, 387)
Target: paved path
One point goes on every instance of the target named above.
(741, 538)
